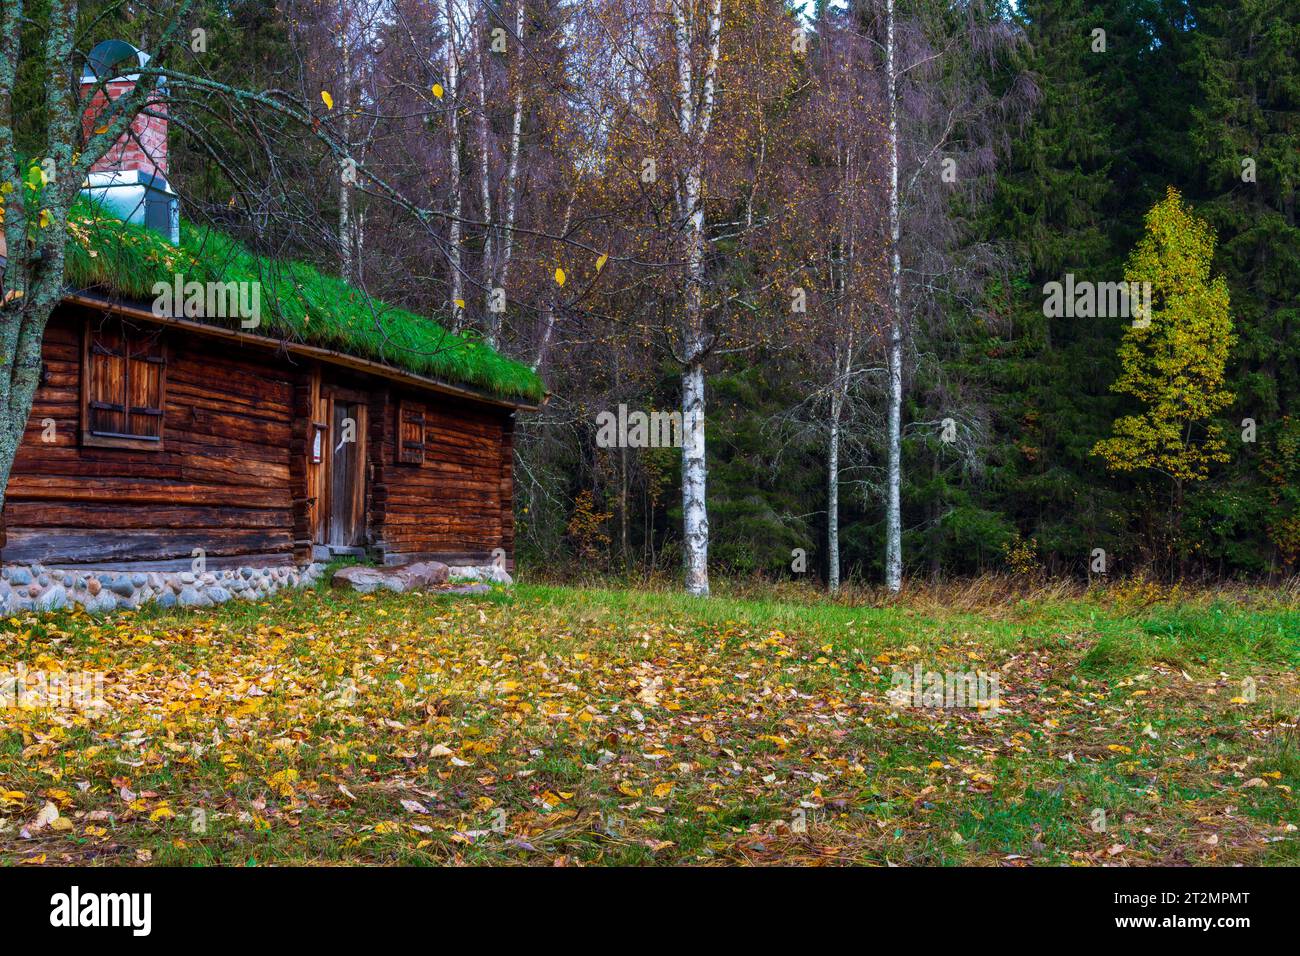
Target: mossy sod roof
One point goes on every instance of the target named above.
(297, 301)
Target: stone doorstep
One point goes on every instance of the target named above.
(420, 575)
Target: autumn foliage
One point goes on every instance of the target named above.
(1173, 361)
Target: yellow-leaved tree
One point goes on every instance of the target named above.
(1172, 360)
(1173, 355)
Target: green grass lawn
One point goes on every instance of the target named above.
(553, 725)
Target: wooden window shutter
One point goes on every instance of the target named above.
(410, 432)
(106, 381)
(146, 367)
(124, 386)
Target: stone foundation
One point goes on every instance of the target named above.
(37, 588)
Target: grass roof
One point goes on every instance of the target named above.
(297, 301)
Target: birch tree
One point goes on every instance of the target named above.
(894, 354)
(346, 238)
(499, 235)
(507, 242)
(450, 95)
(696, 88)
(353, 30)
(944, 129)
(843, 244)
(485, 162)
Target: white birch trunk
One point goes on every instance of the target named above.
(833, 499)
(695, 515)
(359, 237)
(345, 187)
(695, 518)
(841, 376)
(512, 174)
(345, 232)
(485, 190)
(893, 480)
(453, 156)
(694, 128)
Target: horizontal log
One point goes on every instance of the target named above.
(136, 491)
(203, 396)
(33, 514)
(64, 458)
(60, 545)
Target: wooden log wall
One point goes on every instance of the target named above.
(232, 476)
(220, 480)
(457, 504)
(507, 486)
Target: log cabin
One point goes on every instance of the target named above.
(317, 422)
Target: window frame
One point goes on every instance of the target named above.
(130, 334)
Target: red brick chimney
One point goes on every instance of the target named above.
(144, 147)
(130, 179)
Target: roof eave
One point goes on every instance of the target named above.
(330, 356)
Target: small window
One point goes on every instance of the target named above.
(410, 432)
(124, 371)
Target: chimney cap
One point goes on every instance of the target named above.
(111, 178)
(109, 58)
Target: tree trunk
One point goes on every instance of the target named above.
(839, 394)
(345, 231)
(1179, 563)
(694, 128)
(345, 187)
(622, 508)
(32, 283)
(453, 156)
(833, 501)
(625, 557)
(893, 481)
(936, 515)
(485, 189)
(507, 242)
(695, 516)
(22, 334)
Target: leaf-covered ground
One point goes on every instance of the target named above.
(563, 726)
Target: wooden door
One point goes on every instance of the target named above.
(336, 470)
(347, 478)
